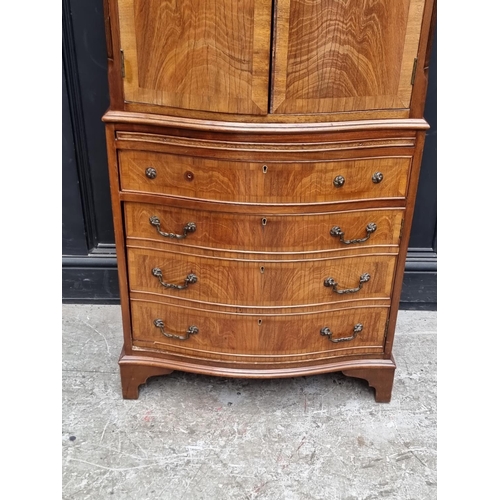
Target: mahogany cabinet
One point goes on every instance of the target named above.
(264, 159)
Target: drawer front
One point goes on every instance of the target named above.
(272, 337)
(270, 182)
(265, 232)
(267, 283)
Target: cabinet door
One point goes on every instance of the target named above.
(210, 55)
(344, 55)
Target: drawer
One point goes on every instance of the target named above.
(272, 182)
(248, 337)
(255, 283)
(265, 232)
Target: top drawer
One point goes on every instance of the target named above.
(270, 182)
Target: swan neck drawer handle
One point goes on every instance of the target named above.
(192, 330)
(190, 279)
(337, 231)
(326, 332)
(330, 282)
(190, 227)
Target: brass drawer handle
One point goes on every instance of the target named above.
(364, 278)
(190, 227)
(192, 330)
(190, 279)
(370, 228)
(326, 332)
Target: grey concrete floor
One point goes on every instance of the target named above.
(196, 437)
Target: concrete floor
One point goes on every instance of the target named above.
(195, 437)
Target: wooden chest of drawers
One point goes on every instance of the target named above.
(251, 243)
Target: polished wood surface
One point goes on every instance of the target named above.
(265, 123)
(363, 51)
(208, 55)
(156, 113)
(339, 143)
(381, 379)
(147, 363)
(260, 283)
(135, 375)
(246, 233)
(264, 338)
(258, 182)
(338, 55)
(424, 53)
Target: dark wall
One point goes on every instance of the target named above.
(420, 279)
(89, 265)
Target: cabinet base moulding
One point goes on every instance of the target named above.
(135, 370)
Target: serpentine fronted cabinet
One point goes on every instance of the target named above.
(264, 158)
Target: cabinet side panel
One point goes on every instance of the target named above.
(119, 236)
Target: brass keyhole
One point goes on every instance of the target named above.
(264, 169)
(188, 175)
(264, 221)
(262, 269)
(259, 322)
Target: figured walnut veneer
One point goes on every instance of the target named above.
(264, 159)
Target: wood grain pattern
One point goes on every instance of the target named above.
(218, 149)
(271, 208)
(260, 283)
(381, 379)
(246, 182)
(156, 113)
(208, 55)
(261, 311)
(405, 239)
(424, 53)
(116, 100)
(119, 237)
(303, 233)
(142, 114)
(344, 55)
(132, 376)
(197, 105)
(251, 338)
(155, 358)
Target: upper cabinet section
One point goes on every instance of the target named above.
(210, 55)
(265, 60)
(344, 55)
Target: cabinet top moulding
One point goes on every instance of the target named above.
(228, 61)
(262, 127)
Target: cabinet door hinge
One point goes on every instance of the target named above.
(414, 71)
(401, 228)
(122, 62)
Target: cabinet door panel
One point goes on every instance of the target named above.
(344, 55)
(210, 55)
